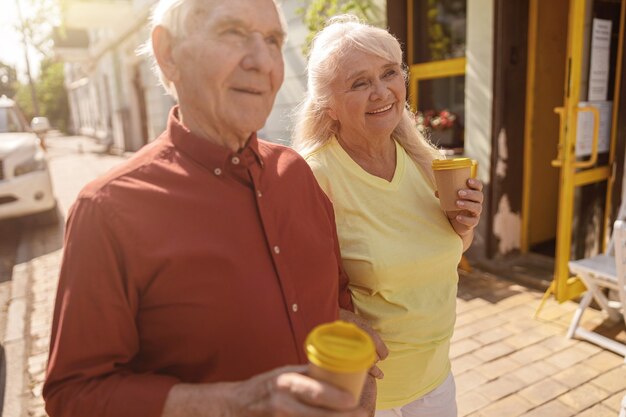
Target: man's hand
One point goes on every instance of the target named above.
(282, 392)
(287, 392)
(381, 349)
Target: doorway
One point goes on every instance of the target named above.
(569, 157)
(547, 48)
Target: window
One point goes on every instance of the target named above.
(436, 56)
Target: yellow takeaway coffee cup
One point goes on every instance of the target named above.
(451, 176)
(341, 354)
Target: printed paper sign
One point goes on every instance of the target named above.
(600, 54)
(584, 129)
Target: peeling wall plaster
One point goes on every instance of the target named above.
(507, 226)
(503, 154)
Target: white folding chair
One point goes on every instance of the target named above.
(601, 273)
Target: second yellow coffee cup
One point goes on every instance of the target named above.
(341, 354)
(451, 175)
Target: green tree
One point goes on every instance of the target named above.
(36, 27)
(43, 16)
(441, 42)
(315, 14)
(24, 100)
(438, 39)
(51, 94)
(8, 80)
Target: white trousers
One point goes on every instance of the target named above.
(440, 402)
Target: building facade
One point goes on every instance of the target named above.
(112, 92)
(115, 97)
(534, 89)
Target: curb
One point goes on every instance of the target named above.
(15, 342)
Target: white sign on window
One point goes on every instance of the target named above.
(600, 54)
(585, 126)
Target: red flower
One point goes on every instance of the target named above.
(437, 120)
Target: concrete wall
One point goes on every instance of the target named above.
(479, 84)
(103, 93)
(278, 126)
(479, 101)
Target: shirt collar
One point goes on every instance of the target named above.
(204, 151)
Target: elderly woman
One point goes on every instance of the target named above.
(399, 248)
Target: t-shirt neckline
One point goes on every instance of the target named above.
(357, 170)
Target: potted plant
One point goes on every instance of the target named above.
(438, 126)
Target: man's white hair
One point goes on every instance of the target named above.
(172, 15)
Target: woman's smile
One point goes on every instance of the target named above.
(381, 110)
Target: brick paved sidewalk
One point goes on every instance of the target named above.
(508, 364)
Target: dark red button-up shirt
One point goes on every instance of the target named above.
(189, 263)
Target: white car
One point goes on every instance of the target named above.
(25, 185)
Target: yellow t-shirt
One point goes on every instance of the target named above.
(401, 255)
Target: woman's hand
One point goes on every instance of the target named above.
(470, 204)
(381, 349)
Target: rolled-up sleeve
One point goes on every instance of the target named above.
(94, 332)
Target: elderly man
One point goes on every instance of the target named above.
(193, 273)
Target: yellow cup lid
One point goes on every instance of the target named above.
(340, 347)
(452, 163)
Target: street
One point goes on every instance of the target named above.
(506, 363)
(29, 266)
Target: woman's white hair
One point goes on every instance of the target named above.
(313, 126)
(173, 15)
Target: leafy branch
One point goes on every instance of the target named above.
(315, 14)
(36, 26)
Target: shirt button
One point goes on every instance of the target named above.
(217, 171)
(235, 160)
(294, 307)
(259, 193)
(276, 250)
